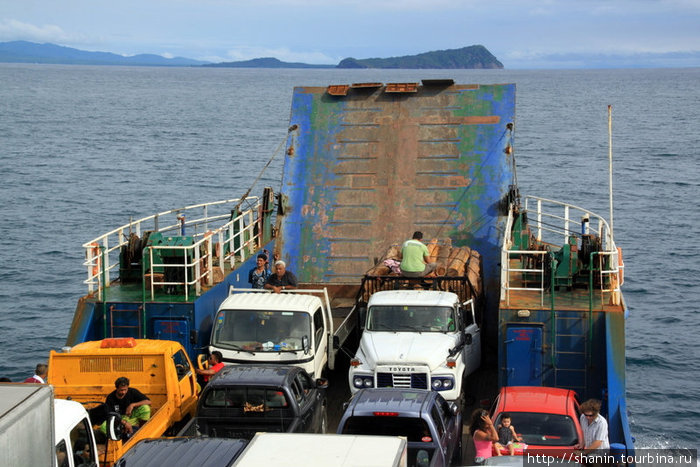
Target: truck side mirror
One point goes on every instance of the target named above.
(115, 428)
(305, 344)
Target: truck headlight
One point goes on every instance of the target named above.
(442, 383)
(363, 382)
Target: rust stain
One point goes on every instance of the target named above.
(338, 89)
(466, 120)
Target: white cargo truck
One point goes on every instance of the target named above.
(421, 339)
(26, 425)
(36, 429)
(296, 327)
(319, 450)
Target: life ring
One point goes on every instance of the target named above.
(620, 266)
(95, 258)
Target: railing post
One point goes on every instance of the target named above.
(241, 237)
(185, 257)
(210, 262)
(231, 246)
(566, 225)
(251, 236)
(90, 261)
(105, 261)
(197, 271)
(539, 220)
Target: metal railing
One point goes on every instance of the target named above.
(233, 238)
(552, 223)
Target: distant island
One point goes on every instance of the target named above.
(266, 62)
(31, 52)
(475, 56)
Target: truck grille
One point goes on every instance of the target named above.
(402, 380)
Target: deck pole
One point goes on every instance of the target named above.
(610, 172)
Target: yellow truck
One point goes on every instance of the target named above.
(160, 369)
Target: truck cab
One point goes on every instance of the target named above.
(290, 328)
(161, 370)
(75, 440)
(420, 339)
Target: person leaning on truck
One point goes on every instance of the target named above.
(415, 259)
(259, 274)
(281, 279)
(133, 406)
(595, 427)
(216, 362)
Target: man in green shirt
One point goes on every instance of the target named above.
(415, 259)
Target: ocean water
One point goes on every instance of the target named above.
(84, 148)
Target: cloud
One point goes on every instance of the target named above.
(12, 30)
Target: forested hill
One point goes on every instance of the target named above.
(474, 56)
(30, 52)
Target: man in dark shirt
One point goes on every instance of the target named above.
(130, 403)
(281, 279)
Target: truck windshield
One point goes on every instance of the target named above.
(261, 331)
(411, 318)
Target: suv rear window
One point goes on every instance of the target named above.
(544, 429)
(247, 400)
(414, 429)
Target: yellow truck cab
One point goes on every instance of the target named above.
(160, 369)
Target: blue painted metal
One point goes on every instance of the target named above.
(524, 355)
(367, 169)
(618, 423)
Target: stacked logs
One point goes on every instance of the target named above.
(451, 261)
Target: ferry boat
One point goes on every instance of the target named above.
(366, 164)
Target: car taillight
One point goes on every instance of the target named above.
(385, 414)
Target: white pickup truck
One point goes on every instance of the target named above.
(296, 327)
(421, 339)
(36, 429)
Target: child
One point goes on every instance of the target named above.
(506, 435)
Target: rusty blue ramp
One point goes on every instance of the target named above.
(370, 163)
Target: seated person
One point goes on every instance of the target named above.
(81, 452)
(506, 435)
(130, 403)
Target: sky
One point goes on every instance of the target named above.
(520, 33)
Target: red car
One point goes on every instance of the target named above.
(547, 419)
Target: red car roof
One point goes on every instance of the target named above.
(535, 399)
